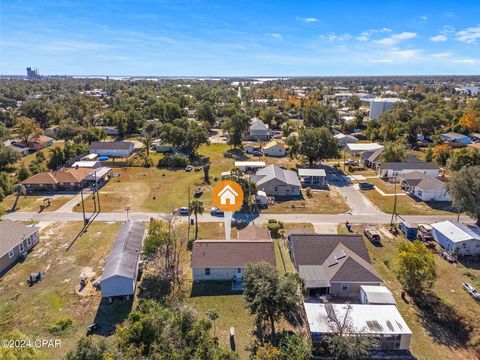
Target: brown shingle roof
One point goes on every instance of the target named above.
(233, 253)
(55, 177)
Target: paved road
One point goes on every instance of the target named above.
(376, 218)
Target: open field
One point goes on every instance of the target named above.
(429, 341)
(32, 203)
(31, 310)
(162, 190)
(321, 202)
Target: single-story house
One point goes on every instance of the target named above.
(223, 260)
(275, 149)
(360, 148)
(391, 169)
(424, 187)
(457, 238)
(72, 179)
(250, 148)
(383, 322)
(52, 131)
(332, 264)
(114, 149)
(21, 150)
(372, 159)
(109, 130)
(376, 295)
(345, 139)
(120, 274)
(258, 130)
(456, 137)
(16, 239)
(276, 181)
(312, 177)
(42, 142)
(249, 166)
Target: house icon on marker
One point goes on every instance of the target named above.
(227, 195)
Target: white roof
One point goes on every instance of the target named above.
(372, 319)
(90, 157)
(378, 294)
(312, 172)
(261, 193)
(85, 164)
(250, 164)
(388, 100)
(457, 232)
(364, 146)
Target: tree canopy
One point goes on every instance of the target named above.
(464, 188)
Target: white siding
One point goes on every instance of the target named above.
(217, 274)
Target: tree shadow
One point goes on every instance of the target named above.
(470, 262)
(236, 154)
(441, 320)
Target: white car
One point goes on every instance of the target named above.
(472, 291)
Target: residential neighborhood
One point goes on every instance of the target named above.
(223, 181)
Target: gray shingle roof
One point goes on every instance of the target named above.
(422, 181)
(12, 233)
(124, 256)
(270, 172)
(257, 124)
(110, 145)
(409, 166)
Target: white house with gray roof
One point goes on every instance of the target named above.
(424, 187)
(392, 169)
(275, 181)
(119, 276)
(258, 130)
(16, 240)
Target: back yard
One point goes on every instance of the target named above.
(54, 308)
(429, 341)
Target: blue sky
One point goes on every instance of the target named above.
(228, 38)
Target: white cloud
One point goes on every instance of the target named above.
(309, 19)
(276, 35)
(465, 61)
(400, 56)
(364, 36)
(469, 35)
(396, 38)
(423, 17)
(439, 38)
(441, 55)
(336, 37)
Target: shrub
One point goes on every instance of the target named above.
(272, 221)
(351, 168)
(308, 191)
(173, 161)
(275, 227)
(60, 326)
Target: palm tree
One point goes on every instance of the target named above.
(196, 206)
(213, 315)
(18, 190)
(147, 140)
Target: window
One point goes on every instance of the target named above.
(21, 247)
(207, 271)
(344, 287)
(29, 241)
(239, 270)
(420, 192)
(11, 253)
(275, 189)
(464, 245)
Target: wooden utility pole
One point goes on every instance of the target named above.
(83, 207)
(188, 228)
(394, 210)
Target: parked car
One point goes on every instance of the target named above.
(198, 192)
(351, 162)
(216, 211)
(472, 291)
(371, 235)
(425, 229)
(366, 186)
(189, 168)
(184, 211)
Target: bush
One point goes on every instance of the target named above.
(275, 227)
(173, 161)
(351, 168)
(60, 326)
(308, 191)
(272, 221)
(147, 162)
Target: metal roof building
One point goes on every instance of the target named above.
(119, 276)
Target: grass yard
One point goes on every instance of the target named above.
(429, 341)
(31, 310)
(322, 202)
(406, 205)
(213, 231)
(32, 203)
(46, 151)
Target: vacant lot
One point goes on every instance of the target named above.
(32, 203)
(429, 341)
(321, 202)
(32, 310)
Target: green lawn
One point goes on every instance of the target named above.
(425, 343)
(213, 231)
(32, 309)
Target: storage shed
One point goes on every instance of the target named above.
(460, 239)
(119, 276)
